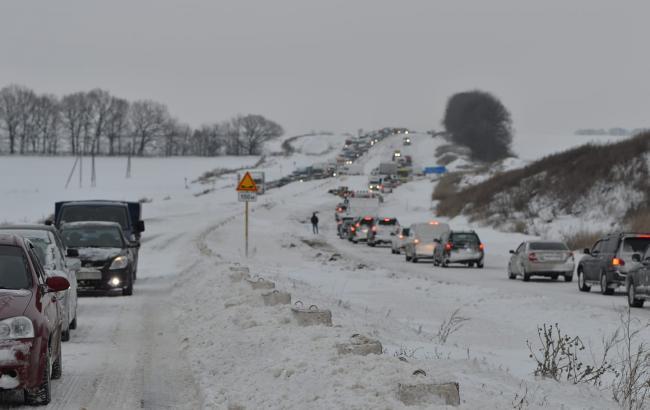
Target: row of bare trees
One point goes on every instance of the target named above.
(96, 122)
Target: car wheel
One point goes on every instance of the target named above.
(128, 289)
(470, 264)
(414, 259)
(603, 285)
(57, 366)
(526, 276)
(554, 277)
(42, 394)
(632, 301)
(479, 265)
(73, 324)
(582, 284)
(371, 244)
(398, 252)
(444, 263)
(65, 335)
(568, 277)
(510, 274)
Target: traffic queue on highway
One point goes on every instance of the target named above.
(87, 247)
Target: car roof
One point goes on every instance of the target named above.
(90, 224)
(10, 240)
(30, 227)
(97, 202)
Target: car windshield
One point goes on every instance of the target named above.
(92, 237)
(40, 240)
(548, 246)
(13, 268)
(635, 245)
(365, 221)
(462, 239)
(82, 213)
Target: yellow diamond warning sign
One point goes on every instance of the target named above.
(247, 184)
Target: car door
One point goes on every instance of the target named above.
(49, 305)
(644, 273)
(516, 259)
(71, 275)
(591, 262)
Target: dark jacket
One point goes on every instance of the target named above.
(314, 219)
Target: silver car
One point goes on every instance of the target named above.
(423, 240)
(398, 241)
(541, 258)
(56, 261)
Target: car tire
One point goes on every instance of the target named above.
(406, 257)
(582, 284)
(470, 264)
(57, 366)
(554, 277)
(42, 394)
(568, 277)
(603, 285)
(398, 252)
(73, 324)
(631, 300)
(128, 289)
(65, 335)
(371, 244)
(444, 263)
(414, 259)
(510, 274)
(479, 265)
(526, 276)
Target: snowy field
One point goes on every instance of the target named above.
(192, 338)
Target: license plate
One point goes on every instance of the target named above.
(89, 274)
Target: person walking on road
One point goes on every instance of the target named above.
(314, 223)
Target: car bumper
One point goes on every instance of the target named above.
(424, 251)
(20, 363)
(464, 256)
(550, 268)
(88, 283)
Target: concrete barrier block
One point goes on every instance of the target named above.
(276, 298)
(239, 273)
(360, 345)
(311, 316)
(261, 283)
(429, 394)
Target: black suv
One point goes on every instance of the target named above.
(607, 262)
(637, 282)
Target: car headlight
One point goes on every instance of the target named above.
(18, 327)
(120, 262)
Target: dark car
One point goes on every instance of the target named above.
(359, 231)
(107, 257)
(637, 281)
(607, 262)
(343, 226)
(30, 321)
(462, 247)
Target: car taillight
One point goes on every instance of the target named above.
(339, 209)
(401, 236)
(618, 262)
(532, 257)
(416, 241)
(481, 247)
(374, 228)
(448, 246)
(358, 224)
(352, 229)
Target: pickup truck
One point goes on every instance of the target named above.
(127, 214)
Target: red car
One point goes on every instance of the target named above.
(31, 321)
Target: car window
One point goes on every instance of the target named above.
(521, 247)
(597, 247)
(40, 274)
(610, 245)
(81, 213)
(388, 221)
(548, 246)
(92, 237)
(462, 239)
(14, 271)
(635, 245)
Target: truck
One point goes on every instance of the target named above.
(127, 214)
(388, 168)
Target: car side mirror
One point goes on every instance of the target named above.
(586, 251)
(646, 261)
(57, 284)
(512, 252)
(140, 226)
(48, 222)
(636, 257)
(72, 253)
(134, 244)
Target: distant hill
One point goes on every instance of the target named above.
(590, 187)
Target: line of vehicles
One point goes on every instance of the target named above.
(88, 246)
(617, 260)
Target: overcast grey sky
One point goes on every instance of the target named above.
(341, 65)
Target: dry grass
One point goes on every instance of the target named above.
(447, 186)
(447, 159)
(582, 239)
(638, 220)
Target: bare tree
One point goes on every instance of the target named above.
(15, 113)
(74, 113)
(117, 124)
(255, 130)
(148, 120)
(100, 108)
(47, 117)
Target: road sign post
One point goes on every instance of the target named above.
(247, 192)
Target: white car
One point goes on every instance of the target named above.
(399, 240)
(382, 231)
(423, 240)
